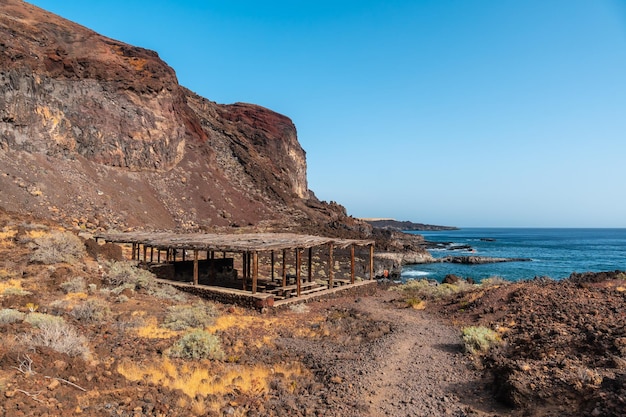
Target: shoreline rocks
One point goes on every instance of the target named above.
(478, 260)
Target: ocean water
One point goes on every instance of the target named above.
(555, 253)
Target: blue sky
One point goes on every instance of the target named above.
(465, 113)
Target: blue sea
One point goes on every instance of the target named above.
(555, 253)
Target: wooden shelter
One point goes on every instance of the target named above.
(162, 248)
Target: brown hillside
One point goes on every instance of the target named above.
(99, 133)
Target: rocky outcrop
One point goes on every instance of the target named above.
(99, 133)
(476, 260)
(68, 91)
(399, 226)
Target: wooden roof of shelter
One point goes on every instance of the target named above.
(248, 242)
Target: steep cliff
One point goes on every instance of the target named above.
(99, 133)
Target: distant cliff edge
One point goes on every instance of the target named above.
(391, 224)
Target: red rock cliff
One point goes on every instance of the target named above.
(100, 133)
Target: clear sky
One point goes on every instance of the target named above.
(464, 113)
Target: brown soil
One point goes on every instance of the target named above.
(563, 350)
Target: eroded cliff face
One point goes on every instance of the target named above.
(99, 133)
(66, 90)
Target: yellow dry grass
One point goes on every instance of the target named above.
(35, 234)
(209, 378)
(11, 285)
(151, 330)
(6, 237)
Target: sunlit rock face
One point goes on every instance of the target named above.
(99, 133)
(69, 91)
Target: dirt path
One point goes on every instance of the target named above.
(420, 369)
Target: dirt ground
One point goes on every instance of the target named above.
(561, 351)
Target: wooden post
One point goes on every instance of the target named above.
(284, 268)
(151, 254)
(159, 255)
(195, 267)
(255, 270)
(145, 253)
(244, 268)
(272, 265)
(134, 249)
(310, 264)
(331, 265)
(212, 270)
(371, 261)
(298, 261)
(352, 264)
(184, 253)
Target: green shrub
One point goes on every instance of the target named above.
(494, 281)
(426, 290)
(166, 292)
(40, 320)
(479, 339)
(126, 275)
(198, 344)
(91, 311)
(57, 247)
(9, 315)
(15, 291)
(300, 308)
(76, 284)
(196, 316)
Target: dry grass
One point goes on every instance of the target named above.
(12, 287)
(6, 237)
(149, 329)
(208, 378)
(427, 290)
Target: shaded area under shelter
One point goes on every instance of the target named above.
(268, 266)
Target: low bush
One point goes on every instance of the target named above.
(15, 291)
(299, 308)
(60, 337)
(494, 281)
(76, 284)
(126, 275)
(428, 290)
(91, 311)
(57, 247)
(198, 344)
(185, 317)
(9, 315)
(479, 339)
(40, 320)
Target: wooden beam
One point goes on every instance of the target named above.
(284, 267)
(145, 253)
(195, 267)
(298, 262)
(352, 264)
(184, 253)
(134, 251)
(331, 265)
(151, 254)
(159, 255)
(255, 270)
(371, 261)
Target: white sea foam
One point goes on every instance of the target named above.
(414, 274)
